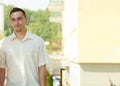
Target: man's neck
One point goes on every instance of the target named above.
(21, 34)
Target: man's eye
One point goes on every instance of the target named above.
(20, 18)
(12, 20)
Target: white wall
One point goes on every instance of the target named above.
(99, 41)
(70, 28)
(94, 74)
(100, 74)
(99, 31)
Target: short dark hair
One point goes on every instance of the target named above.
(15, 9)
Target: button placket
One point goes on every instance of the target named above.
(23, 80)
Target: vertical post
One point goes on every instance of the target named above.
(61, 76)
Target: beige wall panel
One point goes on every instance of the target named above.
(99, 31)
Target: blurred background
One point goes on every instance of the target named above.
(82, 38)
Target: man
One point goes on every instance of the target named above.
(23, 54)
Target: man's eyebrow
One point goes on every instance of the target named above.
(17, 17)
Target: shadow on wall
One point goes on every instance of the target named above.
(96, 67)
(104, 74)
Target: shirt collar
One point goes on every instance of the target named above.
(27, 36)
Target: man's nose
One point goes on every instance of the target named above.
(16, 21)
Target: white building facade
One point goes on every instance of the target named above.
(91, 40)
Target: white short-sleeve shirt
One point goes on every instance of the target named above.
(22, 59)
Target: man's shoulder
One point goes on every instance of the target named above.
(36, 37)
(6, 39)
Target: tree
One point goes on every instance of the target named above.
(7, 27)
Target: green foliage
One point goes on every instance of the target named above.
(50, 32)
(7, 27)
(2, 35)
(49, 80)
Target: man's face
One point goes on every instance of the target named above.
(18, 21)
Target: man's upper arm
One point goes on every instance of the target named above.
(2, 76)
(2, 71)
(42, 75)
(43, 55)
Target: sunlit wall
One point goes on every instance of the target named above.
(70, 28)
(99, 31)
(70, 39)
(94, 42)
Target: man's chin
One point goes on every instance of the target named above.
(18, 30)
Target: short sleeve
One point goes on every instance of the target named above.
(2, 57)
(44, 58)
(43, 55)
